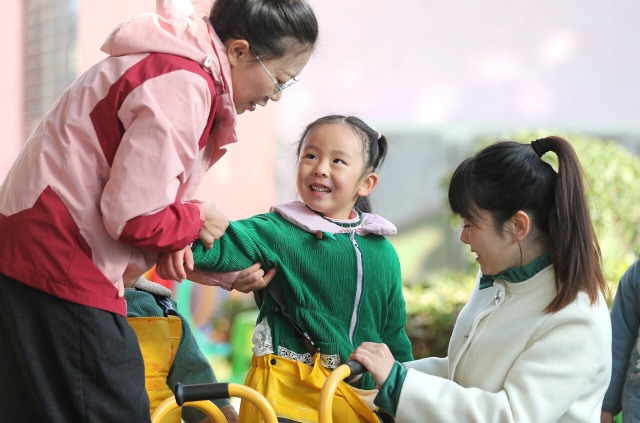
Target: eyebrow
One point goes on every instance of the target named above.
(333, 152)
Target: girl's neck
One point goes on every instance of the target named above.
(353, 215)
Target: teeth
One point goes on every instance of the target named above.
(320, 189)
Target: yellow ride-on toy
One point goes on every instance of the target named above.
(199, 396)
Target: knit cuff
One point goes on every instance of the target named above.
(389, 394)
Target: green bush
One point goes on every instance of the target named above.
(613, 190)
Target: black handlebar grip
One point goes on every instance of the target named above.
(200, 392)
(356, 370)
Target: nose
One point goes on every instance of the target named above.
(320, 169)
(464, 236)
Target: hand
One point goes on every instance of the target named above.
(253, 278)
(606, 417)
(376, 358)
(215, 223)
(171, 266)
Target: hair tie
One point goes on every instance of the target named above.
(540, 146)
(379, 135)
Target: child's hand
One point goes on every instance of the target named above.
(171, 266)
(376, 358)
(215, 223)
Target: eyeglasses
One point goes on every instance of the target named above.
(279, 87)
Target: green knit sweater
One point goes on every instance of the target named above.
(319, 276)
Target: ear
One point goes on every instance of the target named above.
(238, 51)
(520, 225)
(368, 184)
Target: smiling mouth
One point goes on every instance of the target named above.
(316, 188)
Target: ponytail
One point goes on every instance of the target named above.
(576, 252)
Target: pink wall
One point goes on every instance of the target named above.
(416, 64)
(10, 86)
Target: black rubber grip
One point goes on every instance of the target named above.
(356, 370)
(200, 392)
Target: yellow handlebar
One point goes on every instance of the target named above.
(256, 398)
(209, 408)
(328, 391)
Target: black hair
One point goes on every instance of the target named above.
(268, 25)
(374, 147)
(507, 177)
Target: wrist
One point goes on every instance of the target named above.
(200, 205)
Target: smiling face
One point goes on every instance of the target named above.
(495, 251)
(252, 85)
(331, 173)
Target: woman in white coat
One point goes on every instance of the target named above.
(533, 343)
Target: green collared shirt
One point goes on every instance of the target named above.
(518, 274)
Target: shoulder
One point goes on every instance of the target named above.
(378, 225)
(261, 221)
(586, 319)
(632, 275)
(141, 304)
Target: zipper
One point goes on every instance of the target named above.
(354, 315)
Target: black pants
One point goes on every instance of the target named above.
(64, 362)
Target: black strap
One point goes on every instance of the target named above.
(302, 336)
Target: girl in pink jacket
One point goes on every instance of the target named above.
(106, 182)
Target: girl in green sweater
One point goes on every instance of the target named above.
(338, 274)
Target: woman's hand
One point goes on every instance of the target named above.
(250, 279)
(215, 223)
(253, 278)
(171, 266)
(376, 358)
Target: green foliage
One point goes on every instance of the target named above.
(432, 307)
(612, 177)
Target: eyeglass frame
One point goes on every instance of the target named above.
(279, 87)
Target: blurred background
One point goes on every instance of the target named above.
(437, 78)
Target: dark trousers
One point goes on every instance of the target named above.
(64, 362)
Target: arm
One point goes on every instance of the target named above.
(625, 322)
(245, 243)
(394, 333)
(240, 249)
(542, 384)
(158, 150)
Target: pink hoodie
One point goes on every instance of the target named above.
(104, 182)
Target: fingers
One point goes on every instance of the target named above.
(376, 358)
(249, 271)
(188, 260)
(215, 225)
(206, 238)
(268, 277)
(253, 278)
(170, 266)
